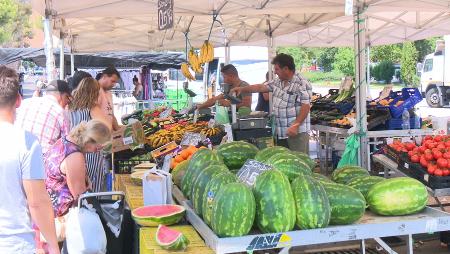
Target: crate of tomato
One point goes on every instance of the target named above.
(429, 162)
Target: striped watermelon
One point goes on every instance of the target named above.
(397, 196)
(235, 153)
(153, 215)
(179, 171)
(199, 161)
(363, 183)
(345, 174)
(304, 157)
(347, 204)
(170, 239)
(321, 178)
(311, 203)
(200, 184)
(275, 205)
(233, 211)
(289, 165)
(266, 153)
(217, 181)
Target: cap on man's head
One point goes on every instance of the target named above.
(59, 85)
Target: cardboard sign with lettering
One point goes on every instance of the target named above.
(165, 14)
(130, 136)
(250, 170)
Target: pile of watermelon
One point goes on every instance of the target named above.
(289, 196)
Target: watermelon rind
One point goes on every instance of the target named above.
(290, 165)
(311, 203)
(179, 171)
(178, 244)
(211, 190)
(154, 221)
(347, 204)
(233, 210)
(345, 174)
(305, 158)
(275, 205)
(397, 196)
(265, 154)
(198, 162)
(364, 183)
(236, 153)
(321, 178)
(199, 185)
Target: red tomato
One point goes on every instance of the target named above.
(438, 172)
(428, 137)
(447, 143)
(410, 146)
(422, 149)
(423, 161)
(431, 168)
(445, 172)
(437, 155)
(431, 145)
(410, 153)
(441, 162)
(415, 158)
(446, 155)
(437, 138)
(441, 146)
(429, 156)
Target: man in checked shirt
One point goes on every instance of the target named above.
(291, 99)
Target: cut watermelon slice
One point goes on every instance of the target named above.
(152, 216)
(170, 239)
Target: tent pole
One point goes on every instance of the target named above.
(72, 64)
(61, 58)
(50, 58)
(368, 71)
(227, 54)
(270, 54)
(360, 80)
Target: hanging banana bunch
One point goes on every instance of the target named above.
(186, 72)
(194, 61)
(206, 52)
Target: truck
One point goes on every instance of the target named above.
(435, 75)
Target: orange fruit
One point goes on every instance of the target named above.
(185, 153)
(172, 164)
(179, 158)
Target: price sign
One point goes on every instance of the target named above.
(128, 140)
(250, 170)
(165, 14)
(191, 139)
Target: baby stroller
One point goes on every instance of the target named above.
(110, 208)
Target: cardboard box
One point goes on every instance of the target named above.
(128, 136)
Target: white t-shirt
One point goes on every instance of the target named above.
(20, 159)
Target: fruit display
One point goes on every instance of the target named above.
(311, 203)
(153, 215)
(305, 158)
(347, 173)
(347, 204)
(183, 155)
(235, 153)
(264, 154)
(178, 172)
(397, 196)
(275, 205)
(364, 183)
(186, 71)
(170, 239)
(233, 211)
(290, 165)
(206, 52)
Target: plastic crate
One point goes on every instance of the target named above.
(396, 123)
(432, 181)
(410, 97)
(125, 166)
(344, 107)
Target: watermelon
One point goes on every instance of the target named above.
(266, 153)
(321, 177)
(233, 211)
(198, 162)
(289, 165)
(347, 173)
(275, 205)
(235, 153)
(170, 239)
(397, 196)
(153, 215)
(200, 184)
(363, 183)
(311, 203)
(217, 181)
(347, 204)
(179, 171)
(304, 157)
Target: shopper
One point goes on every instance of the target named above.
(45, 116)
(22, 177)
(107, 81)
(230, 77)
(291, 95)
(75, 80)
(263, 99)
(137, 93)
(84, 107)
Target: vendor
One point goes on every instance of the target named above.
(291, 103)
(231, 77)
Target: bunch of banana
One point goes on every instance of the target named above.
(206, 52)
(211, 131)
(156, 140)
(194, 61)
(186, 72)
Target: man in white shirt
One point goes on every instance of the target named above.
(21, 179)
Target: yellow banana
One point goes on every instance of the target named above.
(203, 53)
(194, 61)
(210, 48)
(186, 72)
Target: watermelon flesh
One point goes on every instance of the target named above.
(170, 239)
(152, 216)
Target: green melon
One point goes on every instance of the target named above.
(289, 164)
(304, 157)
(179, 171)
(347, 173)
(364, 183)
(321, 177)
(311, 202)
(275, 205)
(233, 211)
(235, 153)
(266, 153)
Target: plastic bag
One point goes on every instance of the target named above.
(84, 232)
(222, 115)
(350, 156)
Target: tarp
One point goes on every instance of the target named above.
(157, 61)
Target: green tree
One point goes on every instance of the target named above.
(15, 25)
(392, 53)
(408, 64)
(384, 71)
(425, 47)
(326, 58)
(345, 61)
(302, 56)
